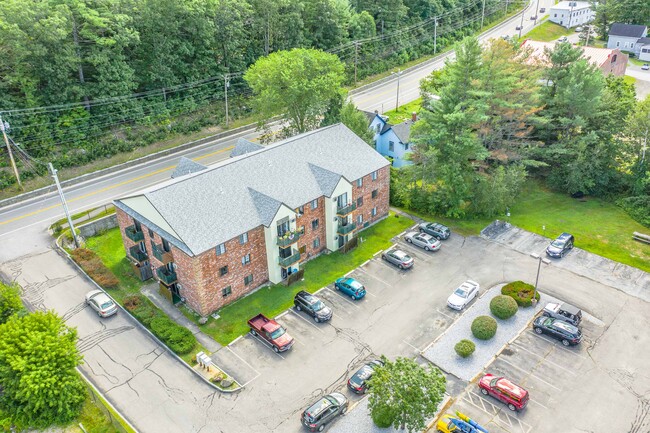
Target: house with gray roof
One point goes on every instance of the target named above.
(628, 37)
(213, 234)
(392, 141)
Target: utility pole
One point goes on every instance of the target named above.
(11, 155)
(63, 202)
(588, 27)
(483, 14)
(399, 73)
(435, 35)
(506, 12)
(521, 26)
(536, 12)
(226, 85)
(356, 59)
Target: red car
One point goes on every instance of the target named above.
(502, 389)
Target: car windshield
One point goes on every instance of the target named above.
(106, 305)
(461, 291)
(318, 305)
(558, 243)
(278, 333)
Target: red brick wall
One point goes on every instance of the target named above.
(382, 185)
(307, 240)
(616, 68)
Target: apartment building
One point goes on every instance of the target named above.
(212, 234)
(571, 13)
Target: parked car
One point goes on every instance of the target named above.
(563, 39)
(423, 240)
(463, 295)
(436, 230)
(350, 287)
(518, 28)
(504, 390)
(358, 383)
(312, 305)
(565, 312)
(321, 413)
(560, 246)
(533, 18)
(460, 423)
(568, 334)
(542, 10)
(272, 332)
(101, 303)
(579, 29)
(645, 67)
(399, 258)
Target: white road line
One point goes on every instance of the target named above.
(545, 360)
(529, 373)
(557, 345)
(243, 360)
(445, 314)
(280, 315)
(496, 412)
(376, 278)
(341, 296)
(378, 252)
(305, 320)
(414, 348)
(235, 340)
(538, 403)
(258, 375)
(346, 275)
(269, 345)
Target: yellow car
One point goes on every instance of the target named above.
(445, 425)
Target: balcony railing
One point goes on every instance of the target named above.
(344, 230)
(162, 255)
(133, 234)
(288, 261)
(166, 276)
(285, 241)
(346, 210)
(137, 255)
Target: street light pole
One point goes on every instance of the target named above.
(521, 26)
(540, 259)
(399, 73)
(53, 172)
(536, 12)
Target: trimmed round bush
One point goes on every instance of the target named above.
(162, 327)
(383, 417)
(464, 348)
(484, 327)
(521, 292)
(503, 307)
(181, 340)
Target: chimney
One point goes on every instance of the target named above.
(414, 116)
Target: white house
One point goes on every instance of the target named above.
(629, 37)
(571, 13)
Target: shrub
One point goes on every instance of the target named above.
(145, 314)
(484, 327)
(95, 268)
(383, 417)
(465, 348)
(162, 327)
(637, 207)
(132, 302)
(503, 307)
(521, 292)
(181, 340)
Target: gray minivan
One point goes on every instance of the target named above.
(321, 413)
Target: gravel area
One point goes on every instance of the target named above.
(442, 354)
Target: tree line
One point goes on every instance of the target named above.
(81, 81)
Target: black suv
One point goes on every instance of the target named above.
(321, 413)
(358, 383)
(565, 332)
(436, 230)
(313, 306)
(560, 246)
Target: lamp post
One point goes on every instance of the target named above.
(521, 26)
(399, 74)
(536, 12)
(540, 259)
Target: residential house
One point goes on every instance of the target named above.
(392, 141)
(644, 49)
(629, 37)
(213, 234)
(571, 13)
(609, 61)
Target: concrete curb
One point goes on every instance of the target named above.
(142, 327)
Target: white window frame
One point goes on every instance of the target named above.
(374, 211)
(243, 238)
(220, 249)
(316, 243)
(374, 175)
(314, 204)
(246, 260)
(360, 182)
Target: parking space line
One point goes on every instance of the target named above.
(445, 314)
(266, 344)
(341, 296)
(546, 360)
(244, 361)
(537, 403)
(497, 413)
(557, 345)
(307, 321)
(528, 372)
(376, 278)
(414, 348)
(258, 375)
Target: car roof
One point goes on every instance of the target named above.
(509, 387)
(307, 296)
(565, 326)
(565, 236)
(101, 297)
(426, 236)
(352, 282)
(318, 407)
(570, 309)
(400, 254)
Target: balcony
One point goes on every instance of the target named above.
(344, 230)
(346, 210)
(288, 261)
(162, 255)
(285, 240)
(133, 234)
(137, 255)
(166, 276)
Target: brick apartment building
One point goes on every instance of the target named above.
(213, 234)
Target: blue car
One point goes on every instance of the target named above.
(350, 287)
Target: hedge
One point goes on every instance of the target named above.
(521, 292)
(95, 268)
(178, 338)
(484, 327)
(465, 348)
(503, 307)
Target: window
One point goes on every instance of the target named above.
(300, 210)
(614, 58)
(374, 211)
(227, 291)
(248, 279)
(243, 238)
(374, 193)
(360, 182)
(360, 219)
(314, 224)
(391, 147)
(618, 44)
(374, 175)
(151, 233)
(246, 259)
(316, 242)
(314, 204)
(223, 270)
(554, 15)
(221, 249)
(166, 246)
(360, 202)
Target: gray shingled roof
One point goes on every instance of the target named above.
(370, 115)
(186, 166)
(244, 146)
(626, 30)
(644, 41)
(403, 130)
(238, 194)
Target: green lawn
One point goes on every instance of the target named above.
(404, 112)
(637, 62)
(319, 272)
(629, 80)
(599, 226)
(548, 32)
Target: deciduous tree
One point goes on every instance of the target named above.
(10, 302)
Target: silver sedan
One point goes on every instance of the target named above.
(423, 240)
(101, 303)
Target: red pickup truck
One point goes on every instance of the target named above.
(272, 332)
